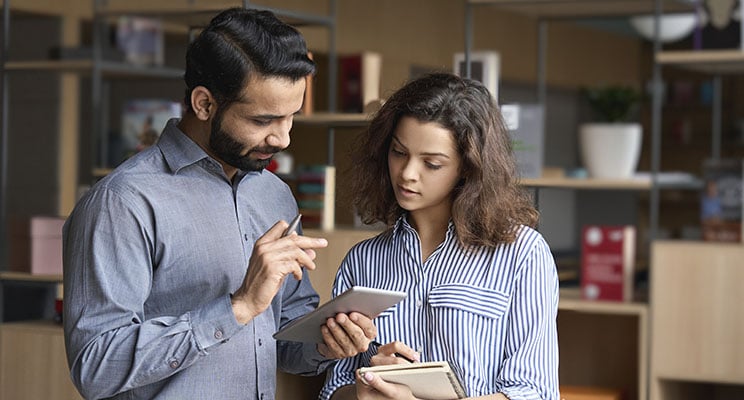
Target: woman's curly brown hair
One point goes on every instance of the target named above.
(488, 203)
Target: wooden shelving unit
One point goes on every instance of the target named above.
(698, 321)
(624, 360)
(714, 62)
(574, 9)
(32, 362)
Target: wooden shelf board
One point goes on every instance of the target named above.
(572, 303)
(108, 68)
(199, 13)
(588, 183)
(557, 9)
(101, 172)
(49, 65)
(708, 61)
(333, 119)
(26, 277)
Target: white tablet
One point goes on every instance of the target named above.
(368, 301)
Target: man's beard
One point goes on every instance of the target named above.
(229, 150)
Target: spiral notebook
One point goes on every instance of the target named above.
(433, 380)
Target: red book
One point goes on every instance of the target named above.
(359, 80)
(607, 262)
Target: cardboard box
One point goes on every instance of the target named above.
(589, 393)
(36, 245)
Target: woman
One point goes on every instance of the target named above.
(436, 166)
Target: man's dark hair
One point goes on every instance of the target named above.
(239, 44)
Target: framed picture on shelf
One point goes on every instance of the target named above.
(142, 120)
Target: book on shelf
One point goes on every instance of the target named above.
(307, 101)
(608, 262)
(485, 67)
(525, 125)
(433, 380)
(141, 40)
(359, 79)
(316, 196)
(721, 200)
(142, 121)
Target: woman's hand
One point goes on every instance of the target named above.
(391, 354)
(371, 387)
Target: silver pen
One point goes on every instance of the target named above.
(293, 225)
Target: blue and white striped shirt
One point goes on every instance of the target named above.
(490, 312)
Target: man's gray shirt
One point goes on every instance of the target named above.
(151, 255)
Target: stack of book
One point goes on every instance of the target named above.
(721, 200)
(316, 188)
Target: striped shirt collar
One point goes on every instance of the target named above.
(402, 226)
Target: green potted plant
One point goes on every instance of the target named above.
(611, 144)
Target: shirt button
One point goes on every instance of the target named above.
(245, 236)
(420, 349)
(419, 303)
(174, 364)
(260, 342)
(218, 334)
(262, 396)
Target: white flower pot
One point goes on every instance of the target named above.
(610, 150)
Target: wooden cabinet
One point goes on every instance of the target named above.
(698, 321)
(33, 365)
(603, 344)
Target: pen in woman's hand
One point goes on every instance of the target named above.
(378, 345)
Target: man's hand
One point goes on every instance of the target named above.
(346, 335)
(274, 257)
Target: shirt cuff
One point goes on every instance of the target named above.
(311, 354)
(214, 323)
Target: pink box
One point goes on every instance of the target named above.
(36, 245)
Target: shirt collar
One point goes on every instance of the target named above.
(401, 226)
(180, 151)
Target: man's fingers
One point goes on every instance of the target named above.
(274, 233)
(362, 321)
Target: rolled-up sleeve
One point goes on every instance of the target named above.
(530, 367)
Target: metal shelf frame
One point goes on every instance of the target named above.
(193, 18)
(714, 62)
(100, 70)
(728, 61)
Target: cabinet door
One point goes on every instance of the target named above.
(33, 363)
(697, 314)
